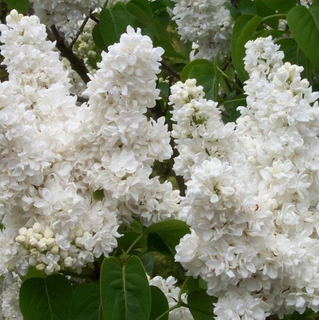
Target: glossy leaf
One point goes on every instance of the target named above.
(20, 5)
(128, 238)
(97, 38)
(201, 305)
(294, 54)
(205, 77)
(186, 71)
(148, 260)
(243, 31)
(170, 231)
(46, 298)
(303, 24)
(113, 23)
(159, 304)
(280, 5)
(141, 9)
(125, 292)
(86, 303)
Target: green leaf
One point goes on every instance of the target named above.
(280, 6)
(159, 304)
(148, 260)
(128, 238)
(162, 31)
(141, 9)
(168, 3)
(97, 38)
(192, 284)
(125, 291)
(233, 11)
(156, 243)
(201, 305)
(113, 23)
(170, 231)
(33, 273)
(187, 69)
(303, 24)
(168, 47)
(20, 5)
(86, 303)
(294, 55)
(247, 7)
(98, 195)
(204, 77)
(164, 18)
(243, 31)
(45, 298)
(264, 11)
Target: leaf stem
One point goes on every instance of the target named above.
(181, 290)
(230, 80)
(134, 243)
(168, 311)
(279, 15)
(233, 100)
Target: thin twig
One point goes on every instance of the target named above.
(170, 70)
(95, 19)
(80, 30)
(179, 179)
(76, 63)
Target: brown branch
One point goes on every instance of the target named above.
(95, 19)
(76, 63)
(80, 30)
(170, 71)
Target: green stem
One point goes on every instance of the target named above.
(134, 243)
(279, 15)
(230, 80)
(181, 291)
(168, 311)
(233, 100)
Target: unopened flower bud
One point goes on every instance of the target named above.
(40, 266)
(78, 232)
(41, 245)
(37, 227)
(38, 236)
(48, 233)
(63, 254)
(68, 262)
(20, 239)
(34, 251)
(23, 231)
(55, 250)
(33, 261)
(50, 242)
(33, 242)
(57, 268)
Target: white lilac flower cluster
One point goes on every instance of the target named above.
(252, 194)
(172, 292)
(206, 23)
(55, 155)
(306, 3)
(9, 298)
(64, 14)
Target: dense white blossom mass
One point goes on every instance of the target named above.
(206, 23)
(252, 193)
(55, 155)
(64, 14)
